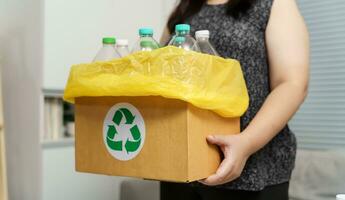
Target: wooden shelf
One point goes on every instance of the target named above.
(52, 93)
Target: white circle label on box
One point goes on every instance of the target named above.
(124, 131)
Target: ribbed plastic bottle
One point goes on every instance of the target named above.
(122, 47)
(202, 39)
(183, 39)
(146, 41)
(108, 51)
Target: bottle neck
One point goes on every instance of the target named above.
(146, 35)
(203, 39)
(122, 46)
(182, 33)
(108, 45)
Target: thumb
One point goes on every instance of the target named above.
(217, 139)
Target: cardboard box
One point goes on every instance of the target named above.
(160, 139)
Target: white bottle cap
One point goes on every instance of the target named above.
(122, 42)
(341, 197)
(202, 34)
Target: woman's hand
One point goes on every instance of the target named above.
(236, 150)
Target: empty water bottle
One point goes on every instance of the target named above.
(202, 39)
(146, 41)
(122, 47)
(183, 39)
(108, 51)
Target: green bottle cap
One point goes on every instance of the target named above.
(146, 31)
(109, 40)
(182, 27)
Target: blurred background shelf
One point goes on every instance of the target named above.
(53, 93)
(64, 142)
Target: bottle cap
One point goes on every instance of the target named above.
(122, 42)
(145, 31)
(182, 27)
(202, 34)
(109, 40)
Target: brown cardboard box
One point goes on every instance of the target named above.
(173, 148)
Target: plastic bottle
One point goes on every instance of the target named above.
(183, 39)
(202, 39)
(146, 41)
(122, 47)
(108, 51)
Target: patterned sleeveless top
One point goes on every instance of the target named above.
(243, 39)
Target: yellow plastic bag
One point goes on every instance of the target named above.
(206, 81)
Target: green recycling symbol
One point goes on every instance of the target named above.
(124, 131)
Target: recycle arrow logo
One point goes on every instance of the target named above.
(124, 131)
(128, 145)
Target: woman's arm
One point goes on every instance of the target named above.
(288, 51)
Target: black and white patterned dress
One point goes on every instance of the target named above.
(244, 39)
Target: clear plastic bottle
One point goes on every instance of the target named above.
(146, 41)
(108, 51)
(202, 39)
(122, 47)
(183, 39)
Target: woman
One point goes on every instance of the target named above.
(270, 40)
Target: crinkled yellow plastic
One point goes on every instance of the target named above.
(206, 81)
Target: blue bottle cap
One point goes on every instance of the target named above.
(145, 31)
(182, 27)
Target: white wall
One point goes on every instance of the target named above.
(319, 123)
(73, 30)
(21, 50)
